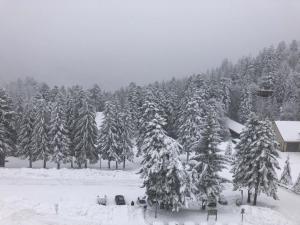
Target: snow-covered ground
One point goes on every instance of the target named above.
(29, 196)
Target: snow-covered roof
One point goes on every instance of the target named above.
(234, 126)
(289, 130)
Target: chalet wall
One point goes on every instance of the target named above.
(279, 138)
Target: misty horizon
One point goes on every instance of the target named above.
(115, 43)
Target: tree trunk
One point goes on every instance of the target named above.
(30, 161)
(58, 165)
(256, 189)
(85, 164)
(100, 162)
(108, 164)
(79, 165)
(255, 197)
(45, 163)
(2, 160)
(116, 164)
(187, 156)
(124, 160)
(72, 165)
(249, 196)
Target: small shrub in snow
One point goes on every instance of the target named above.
(286, 177)
(296, 187)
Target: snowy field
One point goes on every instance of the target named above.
(29, 196)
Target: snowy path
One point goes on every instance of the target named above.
(289, 204)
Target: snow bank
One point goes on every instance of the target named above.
(234, 126)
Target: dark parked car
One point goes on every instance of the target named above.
(222, 200)
(120, 200)
(141, 201)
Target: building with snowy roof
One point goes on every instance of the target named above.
(288, 135)
(234, 127)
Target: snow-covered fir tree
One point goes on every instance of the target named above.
(135, 104)
(191, 123)
(256, 159)
(26, 135)
(164, 176)
(109, 135)
(75, 98)
(149, 109)
(41, 142)
(85, 134)
(286, 177)
(59, 139)
(296, 186)
(246, 107)
(7, 132)
(125, 135)
(208, 161)
(96, 98)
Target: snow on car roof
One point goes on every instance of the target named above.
(233, 125)
(289, 130)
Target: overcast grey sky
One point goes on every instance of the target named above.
(113, 42)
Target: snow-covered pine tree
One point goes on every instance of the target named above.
(96, 98)
(7, 132)
(208, 161)
(86, 134)
(149, 109)
(26, 135)
(109, 135)
(246, 107)
(135, 104)
(190, 127)
(242, 149)
(296, 187)
(125, 134)
(256, 159)
(73, 104)
(59, 138)
(41, 143)
(164, 176)
(286, 177)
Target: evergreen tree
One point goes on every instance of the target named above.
(41, 150)
(246, 106)
(26, 135)
(135, 104)
(190, 127)
(296, 187)
(164, 176)
(7, 132)
(58, 133)
(286, 177)
(149, 109)
(85, 135)
(125, 134)
(208, 162)
(256, 159)
(109, 135)
(96, 98)
(73, 103)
